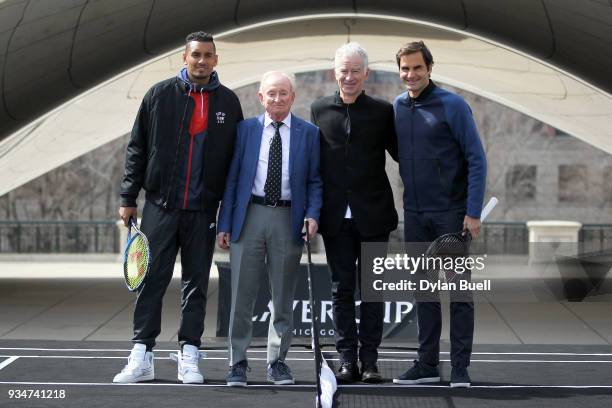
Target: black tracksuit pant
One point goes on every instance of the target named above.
(194, 232)
(343, 252)
(426, 227)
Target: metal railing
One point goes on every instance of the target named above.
(59, 237)
(510, 238)
(504, 238)
(595, 237)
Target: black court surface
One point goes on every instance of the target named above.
(79, 374)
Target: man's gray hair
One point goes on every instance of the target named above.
(266, 75)
(348, 50)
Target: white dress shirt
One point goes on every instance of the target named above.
(264, 153)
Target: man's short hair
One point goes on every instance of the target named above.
(411, 48)
(290, 78)
(200, 36)
(348, 50)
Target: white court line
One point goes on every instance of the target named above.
(301, 385)
(8, 361)
(310, 351)
(473, 386)
(332, 359)
(125, 357)
(492, 353)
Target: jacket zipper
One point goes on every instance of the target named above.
(176, 153)
(186, 194)
(346, 147)
(416, 199)
(204, 101)
(348, 132)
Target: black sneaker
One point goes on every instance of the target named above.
(279, 373)
(348, 372)
(237, 377)
(460, 378)
(420, 373)
(370, 374)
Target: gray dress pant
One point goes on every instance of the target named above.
(266, 245)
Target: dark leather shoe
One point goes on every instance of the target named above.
(370, 374)
(348, 372)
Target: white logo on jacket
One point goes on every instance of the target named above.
(220, 117)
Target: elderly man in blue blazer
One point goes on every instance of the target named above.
(272, 186)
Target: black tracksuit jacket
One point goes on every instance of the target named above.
(153, 151)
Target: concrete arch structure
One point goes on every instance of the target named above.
(51, 52)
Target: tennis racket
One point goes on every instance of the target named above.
(136, 258)
(455, 243)
(325, 378)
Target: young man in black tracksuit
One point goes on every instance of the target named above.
(179, 152)
(356, 131)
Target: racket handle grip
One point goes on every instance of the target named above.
(307, 228)
(488, 208)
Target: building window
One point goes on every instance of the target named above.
(573, 183)
(521, 183)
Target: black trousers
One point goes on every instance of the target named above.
(344, 260)
(426, 227)
(194, 232)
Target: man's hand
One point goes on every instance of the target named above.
(472, 225)
(312, 228)
(223, 240)
(128, 212)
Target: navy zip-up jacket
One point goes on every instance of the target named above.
(441, 158)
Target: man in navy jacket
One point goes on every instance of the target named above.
(443, 167)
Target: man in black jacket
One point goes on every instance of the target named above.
(358, 205)
(179, 151)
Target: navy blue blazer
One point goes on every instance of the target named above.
(304, 179)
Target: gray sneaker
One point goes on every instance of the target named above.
(236, 377)
(419, 373)
(279, 373)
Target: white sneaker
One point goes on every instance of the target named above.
(187, 361)
(139, 367)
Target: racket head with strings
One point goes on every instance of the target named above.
(447, 245)
(136, 258)
(453, 244)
